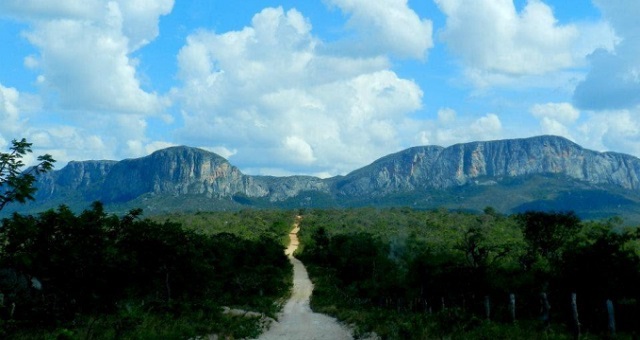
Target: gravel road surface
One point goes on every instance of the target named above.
(297, 321)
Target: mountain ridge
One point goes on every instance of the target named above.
(439, 167)
(414, 176)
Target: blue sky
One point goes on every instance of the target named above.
(315, 87)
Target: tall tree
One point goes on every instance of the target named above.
(547, 233)
(17, 185)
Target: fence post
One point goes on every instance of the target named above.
(487, 307)
(512, 307)
(612, 318)
(576, 320)
(545, 309)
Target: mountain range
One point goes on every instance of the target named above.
(538, 173)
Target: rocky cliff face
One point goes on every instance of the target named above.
(77, 177)
(461, 164)
(173, 171)
(180, 171)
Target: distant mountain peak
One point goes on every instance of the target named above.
(186, 151)
(415, 174)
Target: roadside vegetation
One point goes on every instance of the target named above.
(99, 276)
(409, 274)
(399, 272)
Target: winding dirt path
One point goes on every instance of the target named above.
(297, 321)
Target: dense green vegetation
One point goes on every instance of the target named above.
(247, 224)
(400, 272)
(423, 274)
(95, 275)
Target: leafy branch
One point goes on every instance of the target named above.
(17, 185)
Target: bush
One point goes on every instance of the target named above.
(58, 269)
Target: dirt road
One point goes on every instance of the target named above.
(297, 321)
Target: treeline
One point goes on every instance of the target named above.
(417, 274)
(95, 275)
(248, 223)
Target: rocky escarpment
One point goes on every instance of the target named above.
(282, 188)
(460, 164)
(85, 178)
(173, 171)
(183, 171)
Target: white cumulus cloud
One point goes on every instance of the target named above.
(496, 43)
(85, 50)
(449, 129)
(613, 82)
(387, 26)
(86, 72)
(270, 94)
(612, 130)
(9, 112)
(562, 112)
(488, 126)
(298, 149)
(604, 130)
(556, 118)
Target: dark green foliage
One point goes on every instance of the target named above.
(247, 224)
(361, 264)
(16, 185)
(602, 264)
(58, 270)
(425, 274)
(547, 233)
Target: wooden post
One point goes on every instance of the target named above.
(512, 307)
(487, 307)
(612, 318)
(545, 310)
(576, 320)
(442, 300)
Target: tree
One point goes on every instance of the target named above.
(547, 233)
(17, 185)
